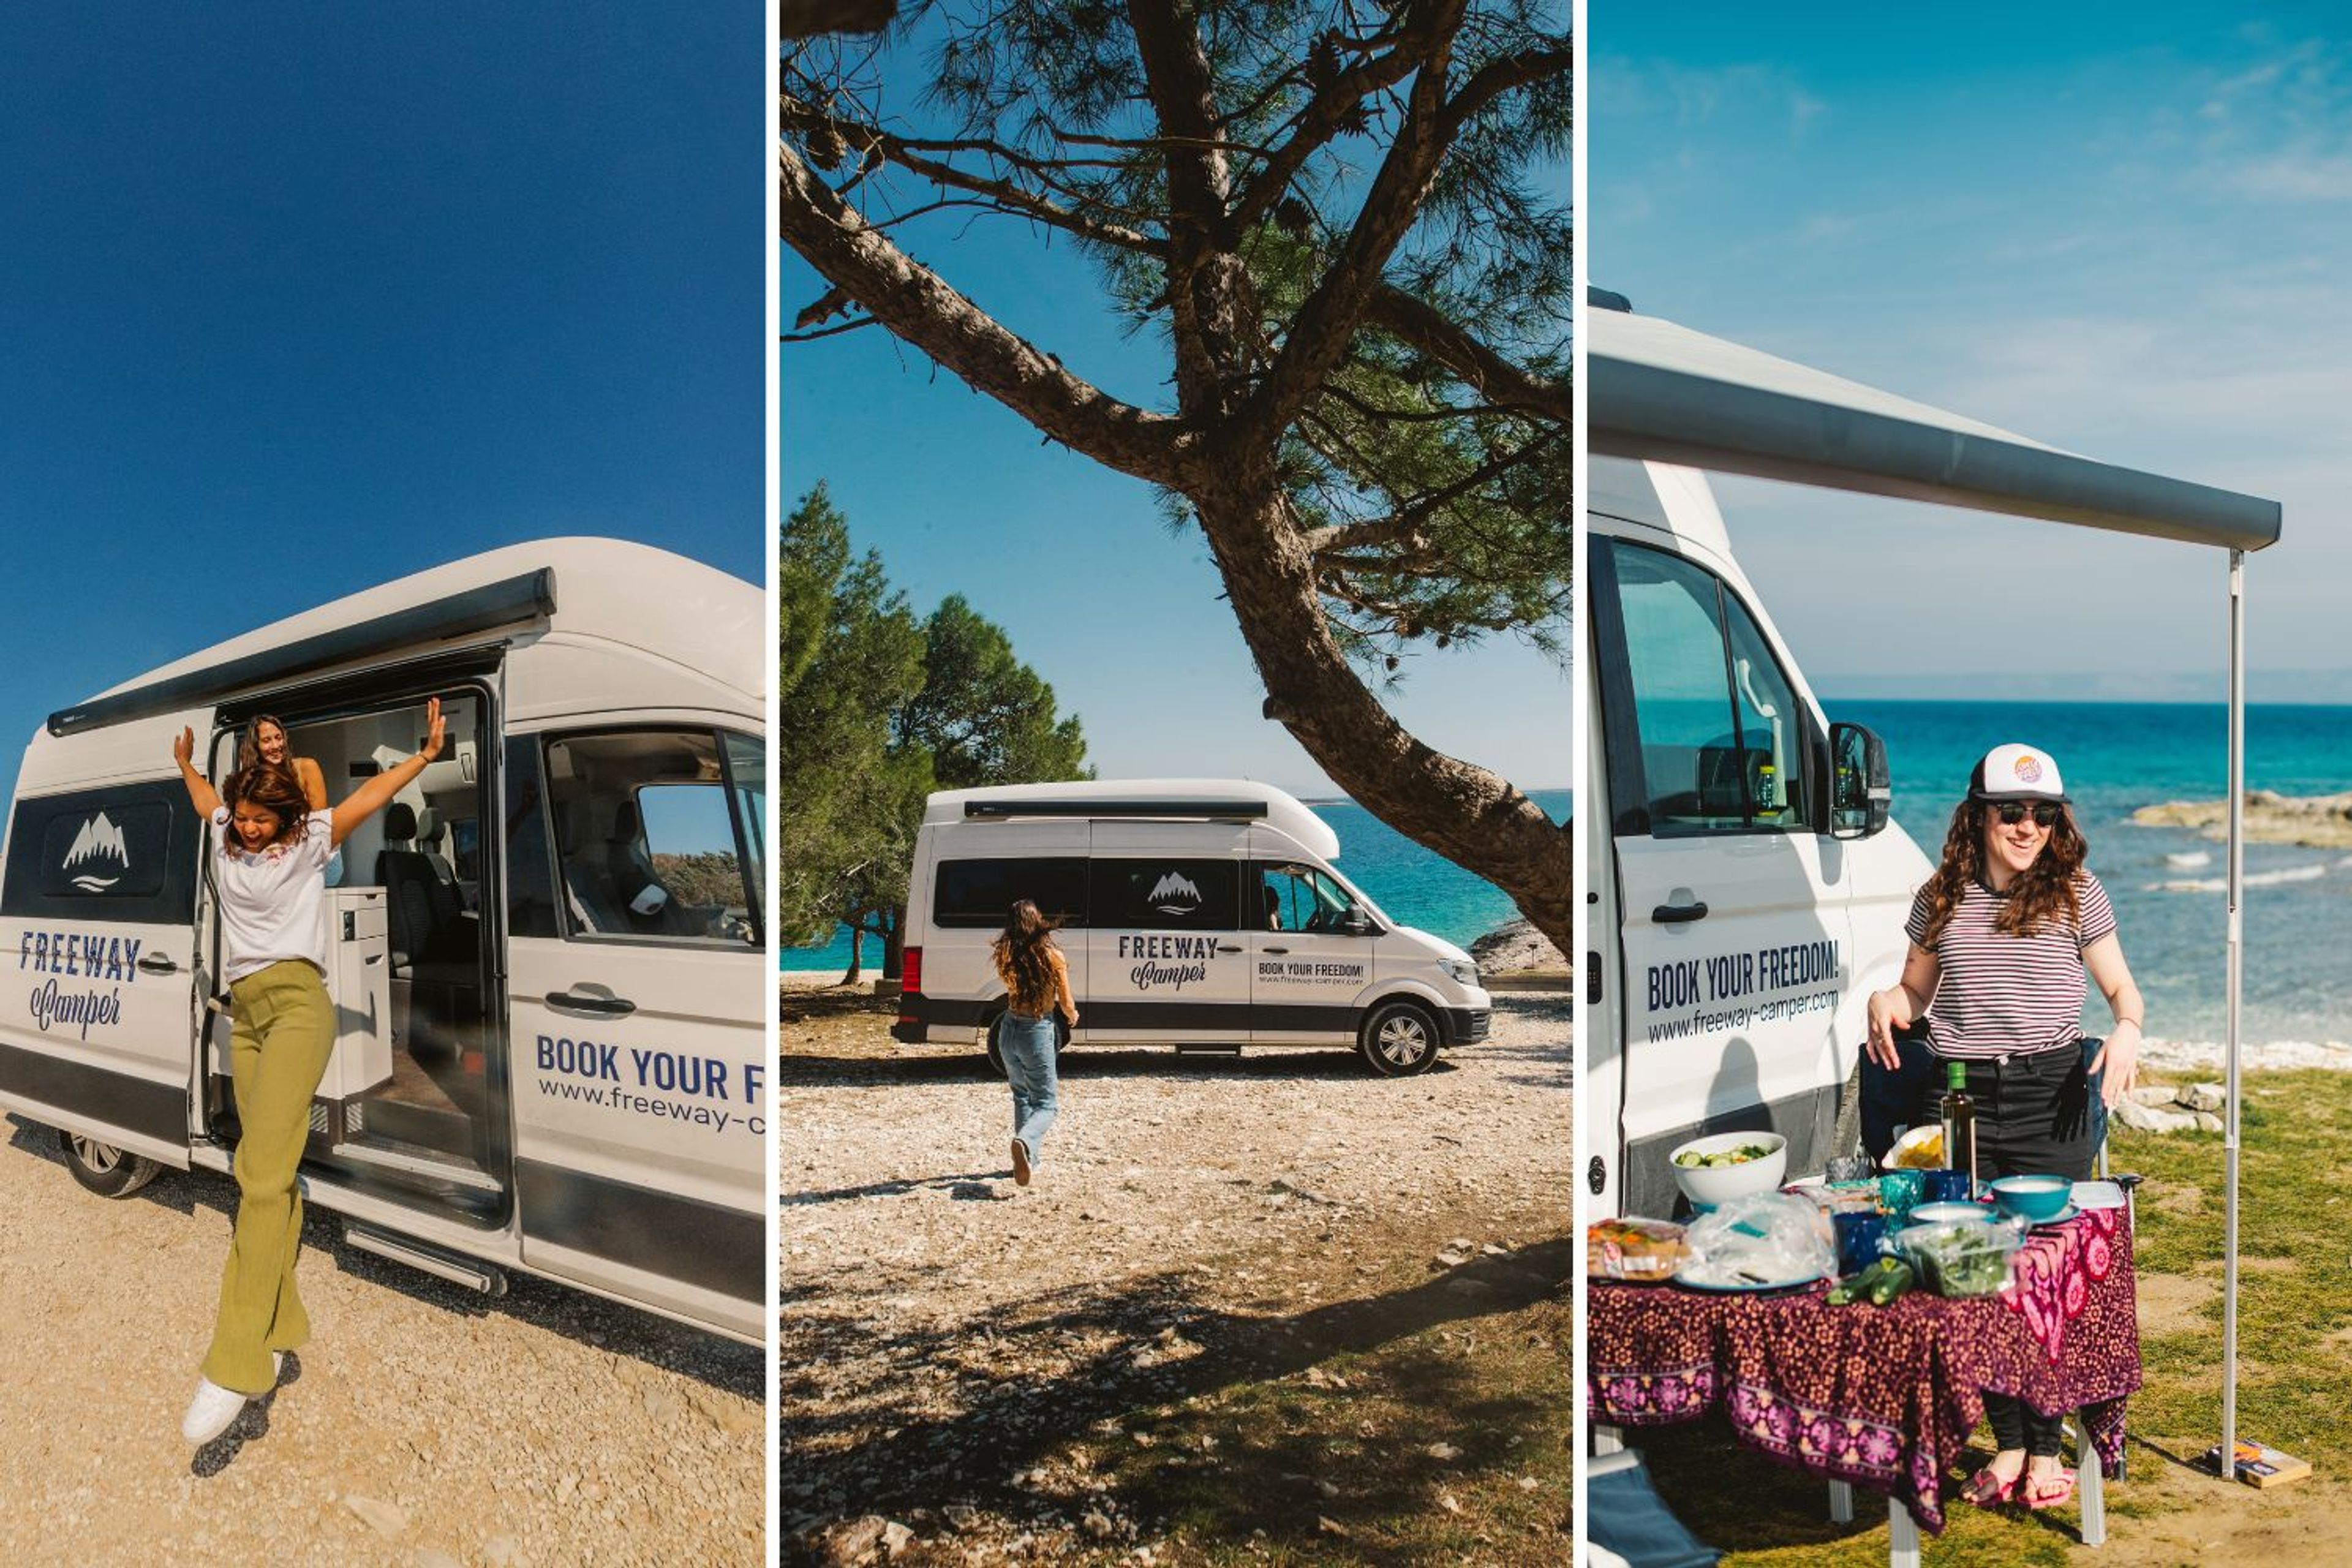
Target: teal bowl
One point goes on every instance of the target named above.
(2033, 1198)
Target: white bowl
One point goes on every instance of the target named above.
(1708, 1186)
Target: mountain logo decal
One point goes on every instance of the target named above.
(1175, 894)
(100, 844)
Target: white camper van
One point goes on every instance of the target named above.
(1747, 889)
(547, 964)
(1194, 913)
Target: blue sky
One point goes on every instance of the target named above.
(2118, 229)
(293, 301)
(1076, 563)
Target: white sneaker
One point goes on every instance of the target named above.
(1020, 1163)
(212, 1411)
(277, 1366)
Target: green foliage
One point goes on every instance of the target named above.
(983, 715)
(849, 653)
(875, 712)
(709, 879)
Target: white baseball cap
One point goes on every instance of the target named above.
(2017, 772)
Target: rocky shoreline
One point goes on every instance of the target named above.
(2315, 822)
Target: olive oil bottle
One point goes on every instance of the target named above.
(1959, 1110)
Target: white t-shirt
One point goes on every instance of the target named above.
(274, 904)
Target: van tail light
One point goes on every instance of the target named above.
(910, 973)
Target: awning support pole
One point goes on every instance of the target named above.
(2228, 1468)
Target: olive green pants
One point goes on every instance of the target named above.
(285, 1029)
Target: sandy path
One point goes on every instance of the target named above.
(1198, 1219)
(429, 1426)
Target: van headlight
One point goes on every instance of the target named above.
(1461, 971)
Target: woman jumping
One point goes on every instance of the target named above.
(270, 874)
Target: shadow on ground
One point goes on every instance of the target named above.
(893, 1418)
(210, 1199)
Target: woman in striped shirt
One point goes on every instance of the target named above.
(2001, 938)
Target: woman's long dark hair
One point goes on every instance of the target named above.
(274, 788)
(2043, 894)
(1021, 948)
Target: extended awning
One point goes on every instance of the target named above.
(1663, 391)
(1666, 394)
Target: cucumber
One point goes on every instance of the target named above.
(1857, 1286)
(1897, 1278)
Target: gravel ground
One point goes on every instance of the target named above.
(425, 1425)
(1197, 1221)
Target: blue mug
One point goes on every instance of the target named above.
(1950, 1187)
(1859, 1232)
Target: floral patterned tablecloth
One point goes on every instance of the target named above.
(1881, 1396)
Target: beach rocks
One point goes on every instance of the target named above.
(2318, 822)
(1512, 947)
(2170, 1108)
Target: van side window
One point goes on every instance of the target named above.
(1723, 740)
(126, 852)
(979, 895)
(1299, 898)
(1167, 894)
(647, 842)
(530, 868)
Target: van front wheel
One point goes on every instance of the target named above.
(1398, 1040)
(109, 1172)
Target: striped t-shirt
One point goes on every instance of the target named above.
(1999, 995)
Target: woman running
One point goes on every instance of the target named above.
(270, 875)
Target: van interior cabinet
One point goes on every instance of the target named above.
(359, 980)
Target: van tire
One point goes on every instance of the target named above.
(996, 1050)
(1399, 1038)
(109, 1172)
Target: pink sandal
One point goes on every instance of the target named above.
(2046, 1490)
(1988, 1490)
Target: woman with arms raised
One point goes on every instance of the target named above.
(271, 879)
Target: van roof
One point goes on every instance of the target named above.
(1144, 799)
(608, 589)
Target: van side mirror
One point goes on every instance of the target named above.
(1862, 793)
(1356, 923)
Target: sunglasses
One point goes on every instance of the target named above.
(2012, 812)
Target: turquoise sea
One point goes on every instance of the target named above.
(1412, 884)
(2117, 757)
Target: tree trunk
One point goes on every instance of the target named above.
(894, 943)
(856, 954)
(1475, 818)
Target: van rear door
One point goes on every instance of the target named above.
(1733, 906)
(638, 992)
(98, 907)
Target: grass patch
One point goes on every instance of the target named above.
(2294, 1350)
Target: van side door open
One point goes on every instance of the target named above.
(637, 985)
(98, 939)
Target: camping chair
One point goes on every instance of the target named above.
(1625, 1521)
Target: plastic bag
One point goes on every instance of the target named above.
(1763, 1238)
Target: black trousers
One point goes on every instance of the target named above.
(2036, 1115)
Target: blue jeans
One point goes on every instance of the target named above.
(1027, 1047)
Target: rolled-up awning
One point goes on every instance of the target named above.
(1665, 393)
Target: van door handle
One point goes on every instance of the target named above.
(159, 964)
(1227, 947)
(1676, 914)
(1274, 950)
(615, 1005)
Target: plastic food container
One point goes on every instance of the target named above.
(1634, 1251)
(1965, 1258)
